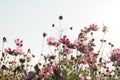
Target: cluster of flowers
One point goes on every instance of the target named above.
(14, 63)
(77, 60)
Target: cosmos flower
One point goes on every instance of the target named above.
(94, 27)
(19, 51)
(18, 42)
(51, 42)
(91, 58)
(9, 51)
(67, 50)
(65, 40)
(115, 56)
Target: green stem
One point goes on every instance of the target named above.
(41, 49)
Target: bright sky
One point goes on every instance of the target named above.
(28, 19)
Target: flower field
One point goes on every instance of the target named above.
(68, 60)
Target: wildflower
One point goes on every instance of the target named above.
(68, 50)
(9, 51)
(85, 47)
(49, 68)
(76, 42)
(19, 51)
(65, 40)
(116, 51)
(94, 27)
(115, 56)
(91, 58)
(46, 75)
(51, 42)
(82, 36)
(93, 66)
(82, 59)
(54, 66)
(41, 73)
(91, 43)
(18, 42)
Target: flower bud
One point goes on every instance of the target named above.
(60, 17)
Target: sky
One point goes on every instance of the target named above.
(28, 19)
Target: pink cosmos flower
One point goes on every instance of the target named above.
(86, 47)
(93, 66)
(116, 51)
(76, 42)
(46, 75)
(91, 43)
(41, 73)
(9, 51)
(18, 42)
(19, 51)
(65, 40)
(115, 56)
(94, 27)
(49, 68)
(91, 57)
(82, 59)
(51, 41)
(54, 66)
(68, 50)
